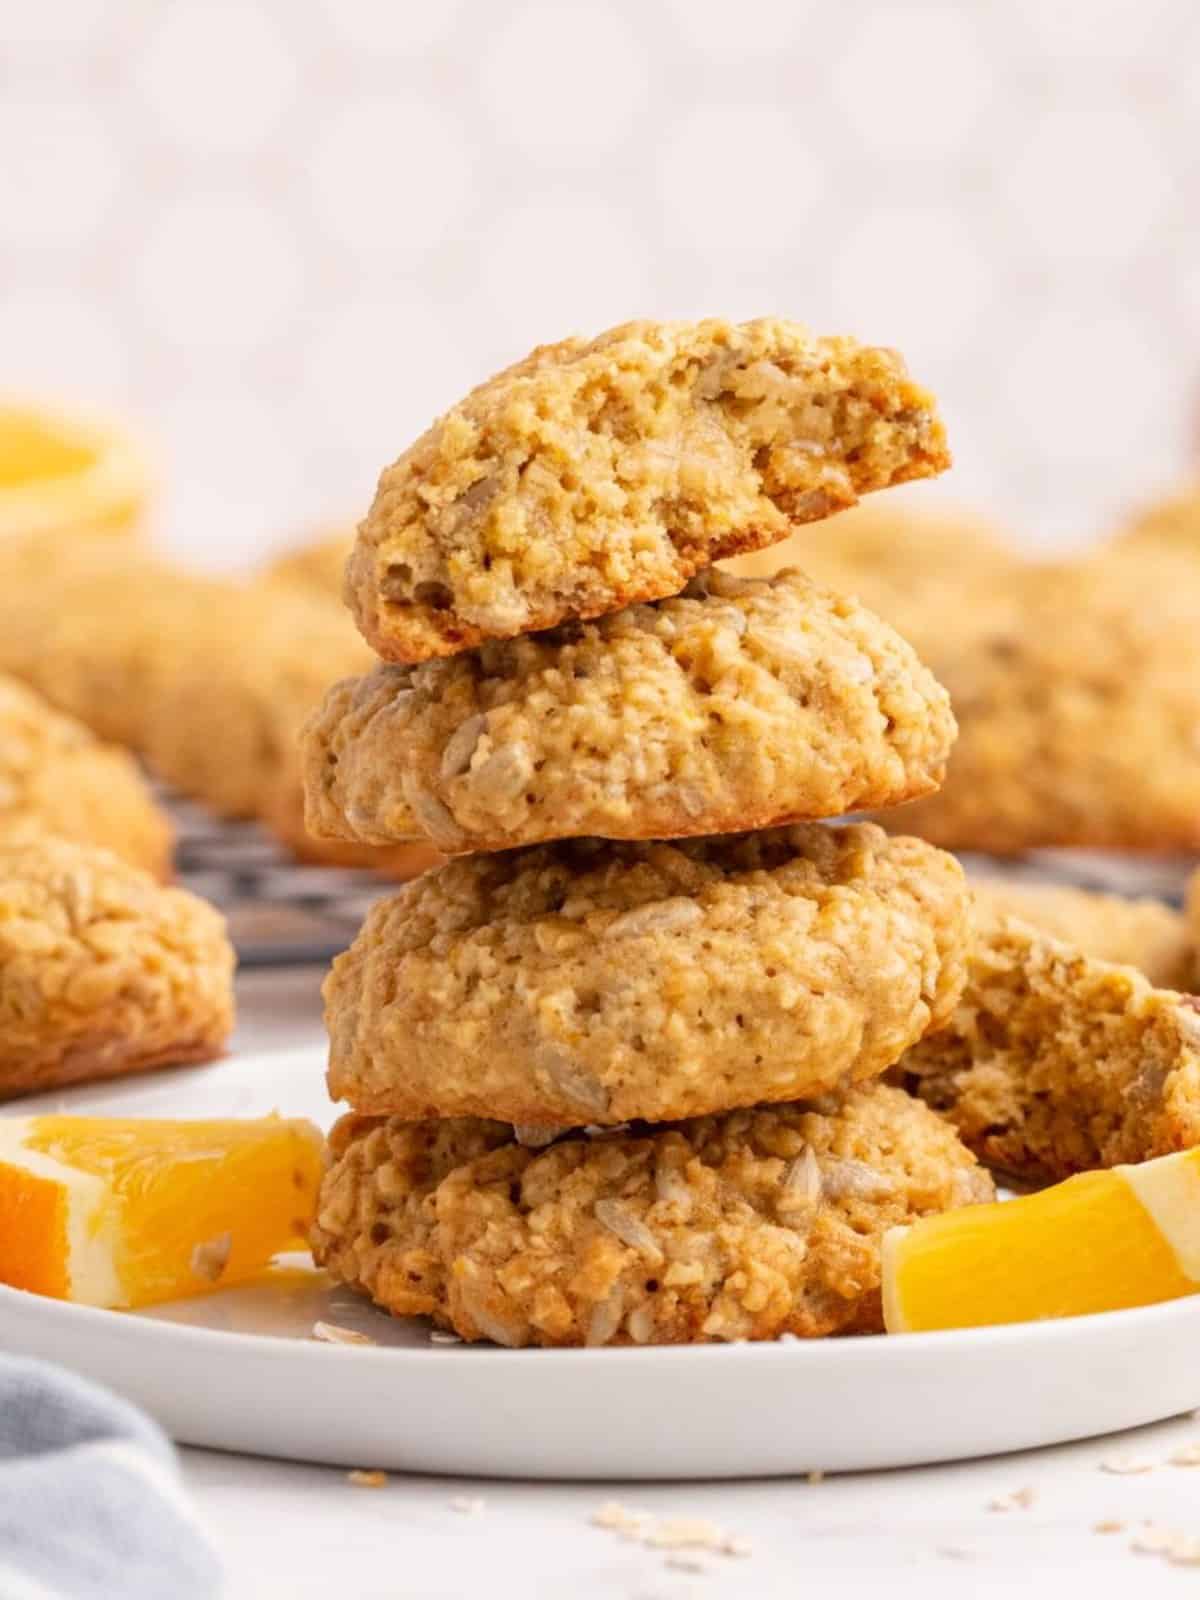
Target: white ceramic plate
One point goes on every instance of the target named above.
(239, 1370)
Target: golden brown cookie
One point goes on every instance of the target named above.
(1173, 522)
(283, 815)
(227, 715)
(102, 971)
(1055, 1063)
(892, 542)
(211, 679)
(57, 778)
(319, 564)
(596, 982)
(743, 1226)
(97, 633)
(1077, 694)
(1145, 934)
(595, 474)
(741, 703)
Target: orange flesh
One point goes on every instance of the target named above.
(1086, 1245)
(197, 1205)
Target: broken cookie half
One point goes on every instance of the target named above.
(594, 474)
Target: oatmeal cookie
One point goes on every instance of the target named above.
(96, 635)
(592, 982)
(225, 720)
(743, 1226)
(148, 656)
(209, 678)
(595, 474)
(1077, 694)
(889, 542)
(57, 778)
(319, 565)
(1056, 1063)
(1145, 934)
(102, 971)
(1173, 522)
(740, 704)
(283, 815)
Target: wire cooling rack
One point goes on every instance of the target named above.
(280, 913)
(284, 913)
(1160, 877)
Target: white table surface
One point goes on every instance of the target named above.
(299, 1531)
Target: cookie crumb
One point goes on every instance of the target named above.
(1019, 1499)
(1151, 1540)
(1179, 1549)
(1126, 1466)
(362, 1479)
(815, 1477)
(469, 1504)
(668, 1533)
(684, 1533)
(331, 1333)
(1108, 1525)
(616, 1518)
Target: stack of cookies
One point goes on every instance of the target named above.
(615, 1067)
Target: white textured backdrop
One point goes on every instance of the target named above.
(285, 233)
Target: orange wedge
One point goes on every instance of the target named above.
(123, 1212)
(65, 474)
(1101, 1241)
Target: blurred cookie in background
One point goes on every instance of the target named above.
(923, 567)
(1172, 521)
(57, 778)
(96, 633)
(1077, 692)
(230, 699)
(103, 972)
(208, 678)
(319, 563)
(1144, 933)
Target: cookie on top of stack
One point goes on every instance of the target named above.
(615, 1067)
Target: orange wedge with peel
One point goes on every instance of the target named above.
(1101, 1241)
(124, 1212)
(67, 474)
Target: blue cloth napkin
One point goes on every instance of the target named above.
(91, 1504)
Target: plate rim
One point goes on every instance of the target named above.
(841, 1350)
